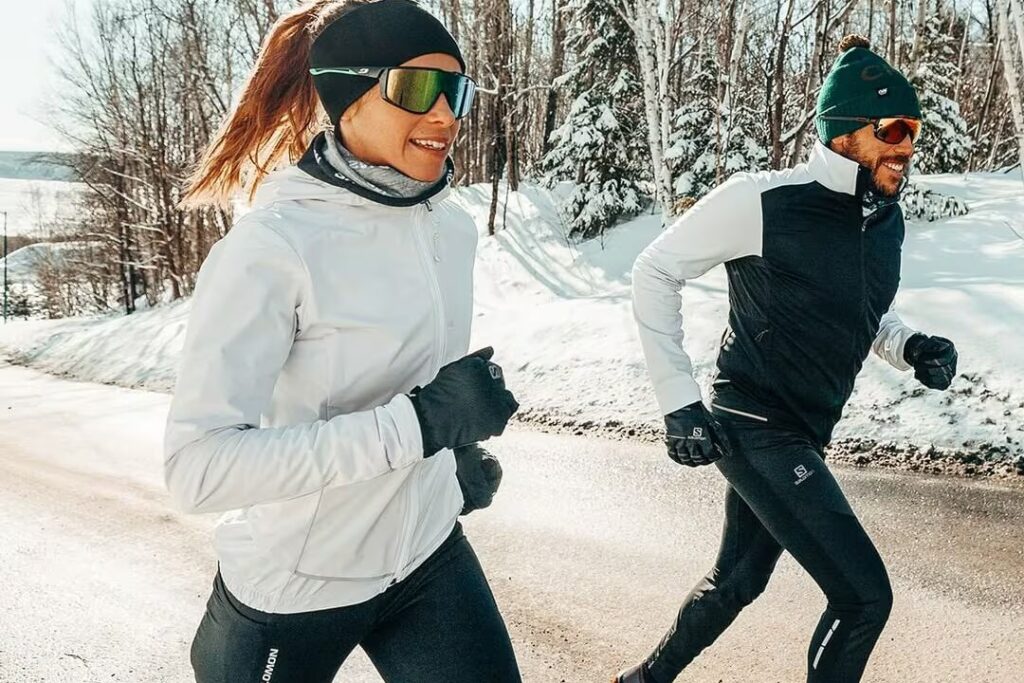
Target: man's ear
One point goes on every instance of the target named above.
(838, 145)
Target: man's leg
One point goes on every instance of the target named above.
(785, 481)
(746, 558)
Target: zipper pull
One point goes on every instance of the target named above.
(427, 202)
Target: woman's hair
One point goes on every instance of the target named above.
(277, 113)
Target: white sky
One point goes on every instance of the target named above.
(27, 39)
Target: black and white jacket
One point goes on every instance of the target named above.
(813, 261)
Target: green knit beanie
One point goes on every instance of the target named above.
(862, 84)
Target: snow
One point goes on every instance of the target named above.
(559, 316)
(22, 263)
(31, 202)
(97, 561)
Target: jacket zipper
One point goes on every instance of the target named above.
(436, 234)
(431, 274)
(863, 269)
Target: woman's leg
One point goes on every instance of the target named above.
(746, 559)
(785, 481)
(442, 624)
(237, 643)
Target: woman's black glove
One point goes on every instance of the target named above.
(467, 402)
(479, 475)
(693, 436)
(933, 358)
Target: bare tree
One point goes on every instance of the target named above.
(659, 37)
(1010, 9)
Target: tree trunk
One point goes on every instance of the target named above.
(986, 105)
(648, 29)
(779, 84)
(892, 32)
(735, 57)
(557, 64)
(915, 50)
(1010, 74)
(821, 22)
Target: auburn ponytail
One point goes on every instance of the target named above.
(277, 114)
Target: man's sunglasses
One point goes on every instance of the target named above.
(891, 131)
(415, 89)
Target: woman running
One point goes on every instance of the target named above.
(324, 401)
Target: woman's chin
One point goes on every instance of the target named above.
(426, 173)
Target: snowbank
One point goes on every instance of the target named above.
(23, 263)
(560, 319)
(33, 206)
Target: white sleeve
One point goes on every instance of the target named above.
(891, 338)
(240, 332)
(724, 225)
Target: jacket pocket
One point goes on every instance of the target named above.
(356, 532)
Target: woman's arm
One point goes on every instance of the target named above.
(724, 225)
(240, 332)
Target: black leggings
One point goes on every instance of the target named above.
(439, 624)
(781, 495)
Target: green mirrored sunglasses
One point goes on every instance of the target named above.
(414, 89)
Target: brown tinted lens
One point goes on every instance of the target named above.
(894, 131)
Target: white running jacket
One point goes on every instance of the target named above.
(310, 322)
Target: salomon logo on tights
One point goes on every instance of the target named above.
(268, 671)
(801, 473)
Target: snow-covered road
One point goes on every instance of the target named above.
(590, 546)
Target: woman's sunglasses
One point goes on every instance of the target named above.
(415, 89)
(891, 131)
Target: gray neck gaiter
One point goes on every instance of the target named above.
(386, 180)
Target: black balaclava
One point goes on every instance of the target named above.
(385, 33)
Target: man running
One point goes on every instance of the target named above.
(812, 255)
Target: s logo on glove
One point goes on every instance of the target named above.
(692, 436)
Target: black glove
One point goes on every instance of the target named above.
(693, 436)
(467, 402)
(933, 358)
(479, 475)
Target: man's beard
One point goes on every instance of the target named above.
(854, 151)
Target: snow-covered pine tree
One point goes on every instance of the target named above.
(600, 146)
(944, 145)
(742, 147)
(710, 142)
(693, 152)
(20, 303)
(921, 204)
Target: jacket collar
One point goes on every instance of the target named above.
(836, 172)
(315, 164)
(840, 174)
(293, 183)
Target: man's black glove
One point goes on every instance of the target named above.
(467, 402)
(933, 358)
(693, 436)
(479, 475)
